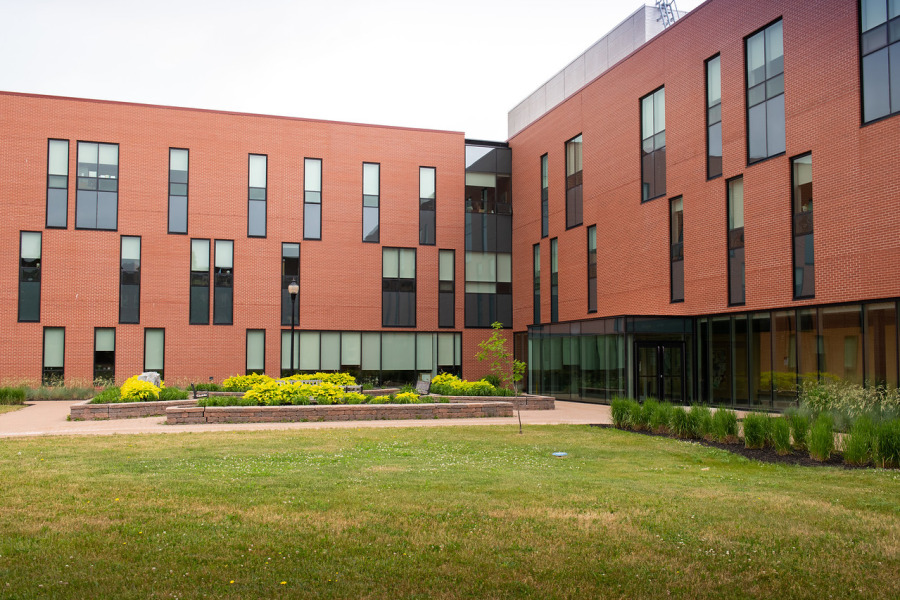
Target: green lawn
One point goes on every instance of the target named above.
(5, 408)
(455, 512)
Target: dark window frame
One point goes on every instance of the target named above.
(709, 109)
(112, 375)
(265, 200)
(747, 106)
(378, 207)
(146, 331)
(575, 185)
(49, 187)
(676, 251)
(545, 194)
(285, 282)
(319, 203)
(728, 239)
(21, 278)
(554, 280)
(78, 177)
(536, 286)
(208, 279)
(653, 153)
(794, 235)
(226, 278)
(122, 277)
(863, 55)
(399, 282)
(443, 292)
(186, 195)
(432, 210)
(52, 376)
(592, 273)
(248, 370)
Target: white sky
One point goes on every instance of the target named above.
(459, 65)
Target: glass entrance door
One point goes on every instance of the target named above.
(660, 372)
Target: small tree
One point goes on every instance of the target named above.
(507, 369)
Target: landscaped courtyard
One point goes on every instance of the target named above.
(455, 512)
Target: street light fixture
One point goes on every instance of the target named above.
(293, 290)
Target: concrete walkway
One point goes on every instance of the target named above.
(49, 418)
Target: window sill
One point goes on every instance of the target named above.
(762, 160)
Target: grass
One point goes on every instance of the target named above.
(5, 408)
(455, 512)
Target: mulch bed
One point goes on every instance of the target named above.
(767, 455)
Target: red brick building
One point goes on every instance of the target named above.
(647, 230)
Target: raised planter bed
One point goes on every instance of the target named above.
(336, 412)
(85, 411)
(522, 402)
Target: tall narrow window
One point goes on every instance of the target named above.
(804, 257)
(398, 296)
(880, 48)
(537, 284)
(290, 362)
(199, 282)
(97, 202)
(256, 351)
(765, 93)
(371, 201)
(53, 372)
(427, 205)
(30, 276)
(592, 267)
(312, 199)
(155, 351)
(653, 145)
(58, 183)
(545, 197)
(574, 192)
(676, 245)
(223, 293)
(736, 291)
(447, 288)
(130, 280)
(104, 354)
(256, 195)
(290, 271)
(554, 280)
(178, 190)
(713, 117)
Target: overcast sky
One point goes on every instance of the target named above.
(458, 65)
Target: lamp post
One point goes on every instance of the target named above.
(293, 289)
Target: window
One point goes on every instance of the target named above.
(545, 197)
(105, 354)
(447, 288)
(592, 267)
(199, 282)
(57, 183)
(554, 280)
(804, 257)
(653, 145)
(290, 271)
(371, 194)
(178, 190)
(223, 292)
(573, 182)
(30, 277)
(398, 292)
(256, 351)
(427, 205)
(879, 37)
(256, 195)
(97, 201)
(765, 93)
(312, 199)
(537, 284)
(53, 372)
(676, 245)
(713, 117)
(736, 292)
(155, 351)
(290, 360)
(130, 280)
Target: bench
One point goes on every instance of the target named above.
(200, 394)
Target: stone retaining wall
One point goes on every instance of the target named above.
(521, 402)
(340, 412)
(85, 411)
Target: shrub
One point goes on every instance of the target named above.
(226, 401)
(724, 425)
(208, 387)
(887, 443)
(681, 423)
(380, 400)
(335, 378)
(799, 424)
(636, 417)
(406, 398)
(242, 383)
(492, 379)
(355, 398)
(172, 393)
(446, 384)
(661, 418)
(852, 399)
(621, 412)
(703, 417)
(756, 430)
(858, 443)
(135, 390)
(107, 396)
(265, 393)
(12, 395)
(821, 437)
(780, 431)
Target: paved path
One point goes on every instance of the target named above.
(49, 418)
